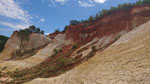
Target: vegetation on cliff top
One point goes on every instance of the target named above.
(125, 6)
(3, 40)
(24, 35)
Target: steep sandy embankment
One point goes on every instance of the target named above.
(43, 54)
(127, 61)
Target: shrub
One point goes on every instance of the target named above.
(65, 29)
(3, 40)
(57, 30)
(60, 50)
(74, 22)
(38, 30)
(56, 51)
(93, 48)
(91, 18)
(1, 74)
(61, 61)
(18, 74)
(42, 32)
(74, 46)
(85, 25)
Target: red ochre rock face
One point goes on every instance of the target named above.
(109, 24)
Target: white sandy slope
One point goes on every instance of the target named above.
(127, 61)
(43, 54)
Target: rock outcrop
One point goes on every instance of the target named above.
(126, 61)
(57, 43)
(13, 44)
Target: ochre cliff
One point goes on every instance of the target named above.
(122, 20)
(126, 61)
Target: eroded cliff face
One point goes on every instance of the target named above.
(111, 60)
(126, 61)
(109, 24)
(13, 44)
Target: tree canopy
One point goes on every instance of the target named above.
(3, 40)
(74, 22)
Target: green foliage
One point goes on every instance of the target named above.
(57, 30)
(93, 48)
(18, 74)
(125, 6)
(56, 51)
(74, 46)
(3, 40)
(104, 12)
(32, 28)
(38, 30)
(85, 25)
(143, 2)
(97, 16)
(1, 74)
(91, 18)
(74, 22)
(42, 32)
(61, 61)
(65, 29)
(24, 34)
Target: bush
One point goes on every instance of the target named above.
(93, 48)
(56, 51)
(38, 30)
(1, 74)
(74, 22)
(57, 30)
(42, 32)
(18, 74)
(91, 18)
(85, 25)
(74, 46)
(61, 61)
(65, 29)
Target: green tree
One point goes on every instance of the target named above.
(23, 35)
(38, 30)
(74, 22)
(3, 40)
(42, 32)
(113, 9)
(104, 12)
(97, 16)
(146, 1)
(56, 30)
(91, 18)
(32, 28)
(65, 29)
